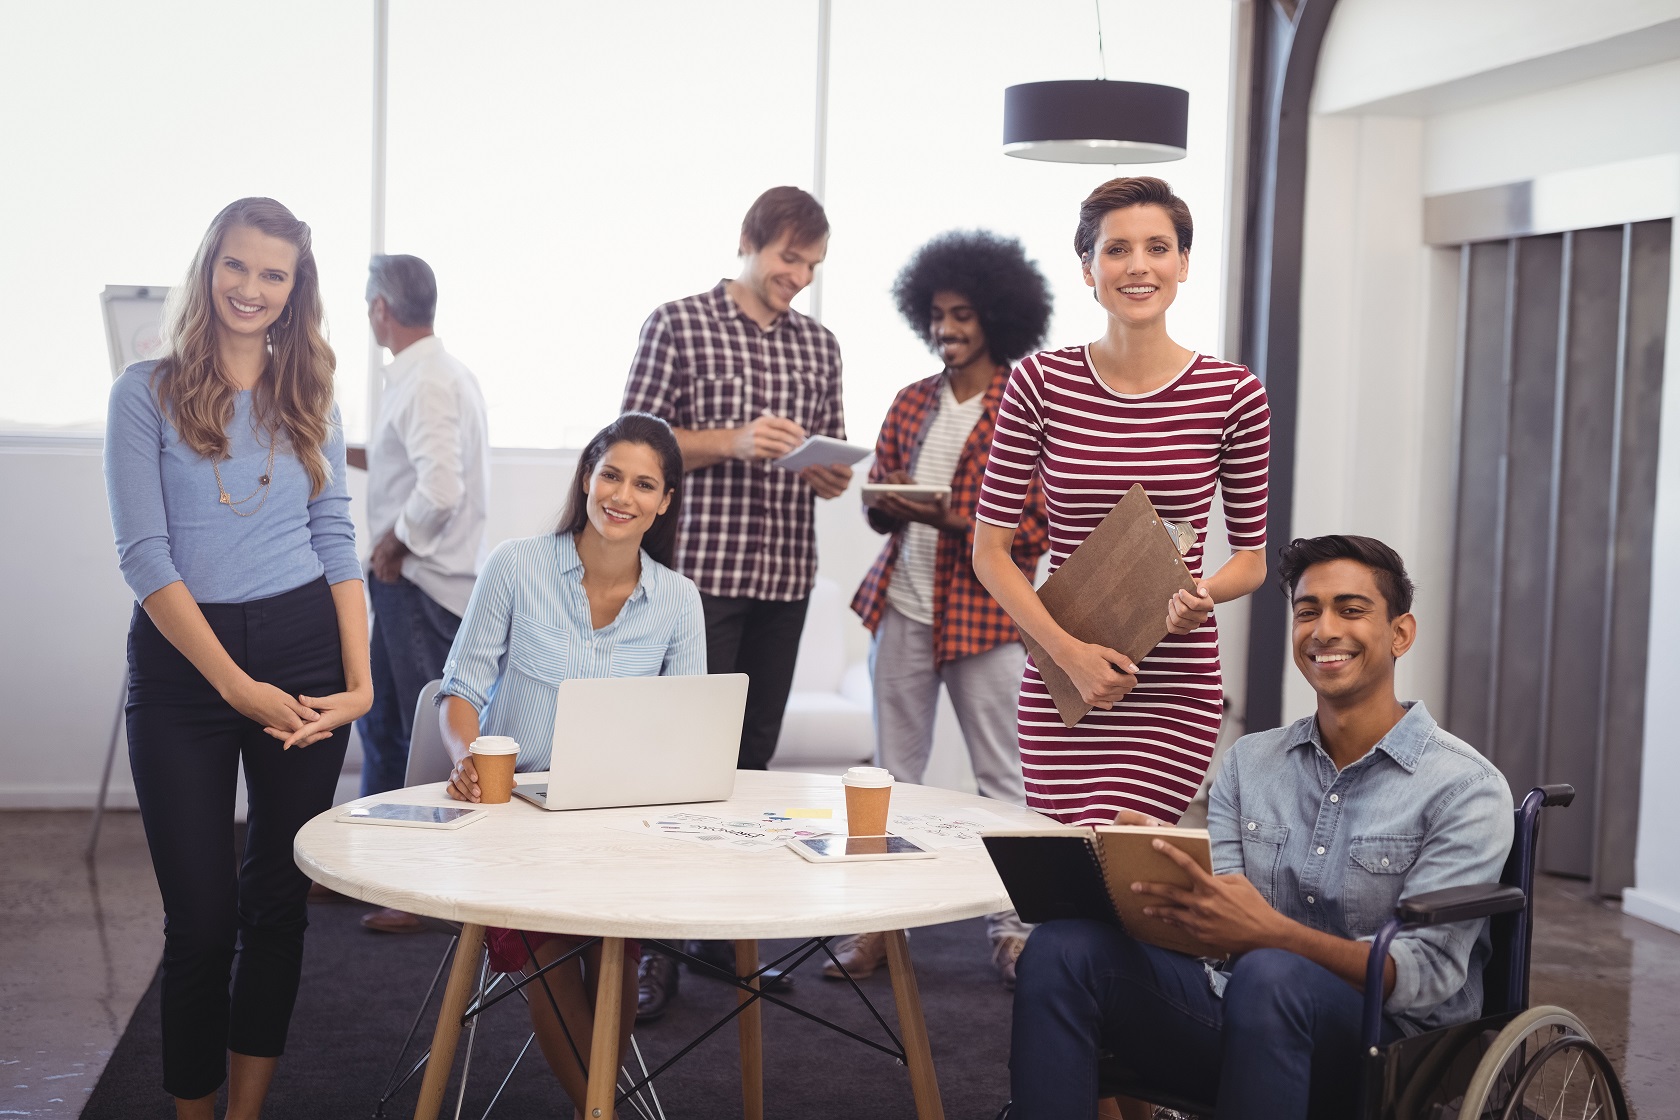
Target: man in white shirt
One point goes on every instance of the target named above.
(428, 464)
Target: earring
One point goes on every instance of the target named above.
(286, 319)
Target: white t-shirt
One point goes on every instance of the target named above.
(910, 591)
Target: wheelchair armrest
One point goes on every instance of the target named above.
(1560, 794)
(1459, 904)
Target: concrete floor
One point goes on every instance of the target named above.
(80, 947)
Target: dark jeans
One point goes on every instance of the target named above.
(412, 633)
(1283, 1043)
(760, 638)
(225, 918)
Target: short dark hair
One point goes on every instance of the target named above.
(1386, 566)
(991, 272)
(784, 210)
(407, 285)
(1135, 190)
(660, 541)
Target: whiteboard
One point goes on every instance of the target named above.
(133, 323)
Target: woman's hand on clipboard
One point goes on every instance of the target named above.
(1102, 675)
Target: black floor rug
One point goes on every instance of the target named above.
(361, 991)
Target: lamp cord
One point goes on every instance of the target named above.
(1102, 57)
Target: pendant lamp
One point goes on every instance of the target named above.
(1095, 122)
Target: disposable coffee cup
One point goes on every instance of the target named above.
(494, 757)
(868, 792)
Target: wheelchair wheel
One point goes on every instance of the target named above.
(1543, 1064)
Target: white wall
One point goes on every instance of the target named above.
(1427, 98)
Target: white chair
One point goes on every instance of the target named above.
(428, 760)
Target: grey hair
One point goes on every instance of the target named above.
(407, 285)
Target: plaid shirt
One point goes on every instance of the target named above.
(748, 530)
(966, 619)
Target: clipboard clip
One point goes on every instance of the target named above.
(1181, 533)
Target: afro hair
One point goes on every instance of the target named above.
(992, 272)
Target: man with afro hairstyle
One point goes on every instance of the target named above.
(980, 304)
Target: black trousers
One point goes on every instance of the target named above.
(226, 920)
(760, 638)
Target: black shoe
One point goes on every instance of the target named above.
(718, 958)
(656, 985)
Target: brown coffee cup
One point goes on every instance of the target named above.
(494, 757)
(868, 793)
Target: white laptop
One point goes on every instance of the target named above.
(643, 741)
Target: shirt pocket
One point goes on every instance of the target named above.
(538, 651)
(637, 659)
(720, 394)
(1262, 847)
(1376, 876)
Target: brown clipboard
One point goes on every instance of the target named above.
(1112, 591)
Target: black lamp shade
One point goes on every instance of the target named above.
(1095, 122)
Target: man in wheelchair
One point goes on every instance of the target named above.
(1317, 830)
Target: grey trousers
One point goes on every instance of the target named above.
(983, 691)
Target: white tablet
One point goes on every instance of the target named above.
(411, 816)
(845, 849)
(873, 492)
(822, 451)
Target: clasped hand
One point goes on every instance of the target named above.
(1187, 610)
(303, 720)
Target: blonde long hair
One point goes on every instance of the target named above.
(295, 396)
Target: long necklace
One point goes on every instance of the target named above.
(262, 485)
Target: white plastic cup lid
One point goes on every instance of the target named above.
(868, 776)
(494, 744)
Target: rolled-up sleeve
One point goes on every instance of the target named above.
(1224, 808)
(331, 532)
(134, 435)
(433, 438)
(1467, 845)
(478, 656)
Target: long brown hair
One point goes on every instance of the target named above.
(294, 398)
(660, 541)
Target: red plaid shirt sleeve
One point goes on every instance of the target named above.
(966, 619)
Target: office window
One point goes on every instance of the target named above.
(127, 127)
(915, 148)
(566, 168)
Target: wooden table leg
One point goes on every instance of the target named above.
(924, 1085)
(752, 1035)
(603, 1048)
(463, 978)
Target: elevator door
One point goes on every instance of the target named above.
(1561, 355)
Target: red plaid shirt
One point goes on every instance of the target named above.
(966, 619)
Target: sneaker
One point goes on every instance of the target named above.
(1005, 952)
(656, 985)
(861, 953)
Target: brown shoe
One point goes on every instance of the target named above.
(387, 920)
(1005, 952)
(861, 953)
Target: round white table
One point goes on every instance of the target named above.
(566, 872)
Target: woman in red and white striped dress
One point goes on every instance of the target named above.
(1131, 407)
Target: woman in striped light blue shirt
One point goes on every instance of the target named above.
(598, 598)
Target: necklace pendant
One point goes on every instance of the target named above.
(263, 481)
(224, 499)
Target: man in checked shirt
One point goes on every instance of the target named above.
(743, 379)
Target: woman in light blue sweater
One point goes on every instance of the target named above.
(224, 465)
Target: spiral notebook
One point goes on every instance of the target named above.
(1067, 872)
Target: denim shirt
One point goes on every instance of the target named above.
(1335, 850)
